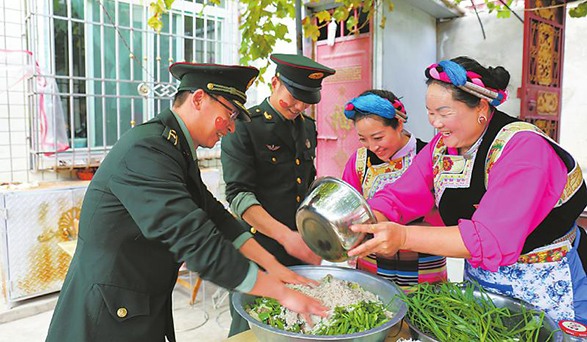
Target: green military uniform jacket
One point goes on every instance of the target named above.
(262, 157)
(145, 212)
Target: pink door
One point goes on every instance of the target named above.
(337, 139)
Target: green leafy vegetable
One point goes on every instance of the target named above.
(451, 312)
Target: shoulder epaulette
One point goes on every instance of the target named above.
(255, 111)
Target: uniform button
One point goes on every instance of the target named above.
(299, 180)
(122, 312)
(274, 160)
(298, 162)
(298, 199)
(253, 230)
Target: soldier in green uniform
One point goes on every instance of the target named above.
(147, 211)
(268, 164)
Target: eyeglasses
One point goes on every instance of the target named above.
(233, 113)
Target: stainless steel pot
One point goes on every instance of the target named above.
(514, 305)
(386, 290)
(324, 217)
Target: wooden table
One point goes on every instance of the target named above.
(248, 335)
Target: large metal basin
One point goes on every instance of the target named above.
(324, 217)
(514, 305)
(385, 289)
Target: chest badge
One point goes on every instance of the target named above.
(308, 145)
(273, 147)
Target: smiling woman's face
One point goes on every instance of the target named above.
(457, 122)
(380, 139)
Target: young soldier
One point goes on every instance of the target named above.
(268, 164)
(147, 211)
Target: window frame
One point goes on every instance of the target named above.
(40, 32)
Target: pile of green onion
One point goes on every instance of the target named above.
(451, 312)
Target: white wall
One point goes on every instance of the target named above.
(408, 43)
(574, 111)
(13, 123)
(503, 47)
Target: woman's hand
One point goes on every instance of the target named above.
(388, 238)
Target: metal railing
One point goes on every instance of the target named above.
(106, 69)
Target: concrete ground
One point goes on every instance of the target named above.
(201, 322)
(207, 321)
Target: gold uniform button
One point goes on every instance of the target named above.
(298, 162)
(253, 230)
(122, 312)
(274, 160)
(298, 199)
(299, 180)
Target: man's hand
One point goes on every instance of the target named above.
(295, 246)
(268, 286)
(388, 238)
(288, 276)
(304, 305)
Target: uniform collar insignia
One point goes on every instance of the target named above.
(308, 145)
(273, 147)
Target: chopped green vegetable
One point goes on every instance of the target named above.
(366, 314)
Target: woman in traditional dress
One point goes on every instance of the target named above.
(387, 152)
(508, 194)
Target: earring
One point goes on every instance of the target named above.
(481, 120)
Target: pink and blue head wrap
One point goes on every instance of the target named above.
(471, 82)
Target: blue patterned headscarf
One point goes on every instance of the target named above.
(370, 103)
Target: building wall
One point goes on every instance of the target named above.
(13, 123)
(15, 114)
(574, 116)
(504, 46)
(408, 45)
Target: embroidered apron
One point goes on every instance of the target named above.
(542, 277)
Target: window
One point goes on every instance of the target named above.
(110, 69)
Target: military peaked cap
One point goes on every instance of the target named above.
(229, 81)
(301, 76)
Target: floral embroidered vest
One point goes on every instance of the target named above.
(460, 183)
(374, 173)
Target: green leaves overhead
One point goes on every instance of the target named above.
(158, 7)
(261, 28)
(261, 31)
(579, 11)
(323, 16)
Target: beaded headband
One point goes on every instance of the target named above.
(453, 73)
